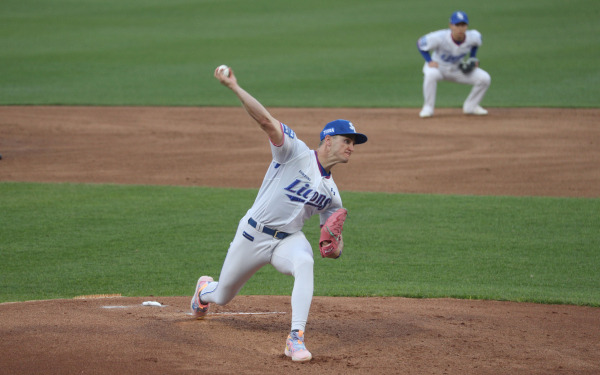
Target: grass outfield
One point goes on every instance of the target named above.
(65, 240)
(310, 53)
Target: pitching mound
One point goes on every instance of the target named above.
(347, 335)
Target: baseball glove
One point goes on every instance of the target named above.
(468, 65)
(331, 243)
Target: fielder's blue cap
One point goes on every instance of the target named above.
(458, 17)
(343, 127)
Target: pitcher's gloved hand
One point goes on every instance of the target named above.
(331, 243)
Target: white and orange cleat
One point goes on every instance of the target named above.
(199, 309)
(295, 348)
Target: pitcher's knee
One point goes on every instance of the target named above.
(304, 266)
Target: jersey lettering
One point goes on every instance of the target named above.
(305, 194)
(452, 59)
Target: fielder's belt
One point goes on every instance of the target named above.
(271, 232)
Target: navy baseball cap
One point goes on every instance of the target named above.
(458, 17)
(342, 127)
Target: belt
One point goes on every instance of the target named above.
(271, 232)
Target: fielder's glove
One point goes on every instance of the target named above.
(468, 65)
(331, 243)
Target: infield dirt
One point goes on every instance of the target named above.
(518, 152)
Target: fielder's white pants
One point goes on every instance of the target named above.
(479, 78)
(249, 251)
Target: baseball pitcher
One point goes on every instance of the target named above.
(298, 184)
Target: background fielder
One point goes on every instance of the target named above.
(297, 185)
(443, 50)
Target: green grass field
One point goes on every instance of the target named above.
(311, 53)
(63, 240)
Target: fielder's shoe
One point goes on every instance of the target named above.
(478, 111)
(426, 112)
(294, 347)
(198, 308)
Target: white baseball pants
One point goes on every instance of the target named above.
(479, 78)
(249, 251)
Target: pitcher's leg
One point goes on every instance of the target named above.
(302, 293)
(248, 252)
(294, 257)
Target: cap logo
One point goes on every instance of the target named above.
(460, 16)
(351, 127)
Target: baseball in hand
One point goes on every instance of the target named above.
(224, 70)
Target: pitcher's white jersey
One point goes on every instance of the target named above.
(295, 187)
(444, 50)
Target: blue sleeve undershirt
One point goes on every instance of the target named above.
(425, 54)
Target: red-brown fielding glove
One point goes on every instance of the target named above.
(331, 243)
